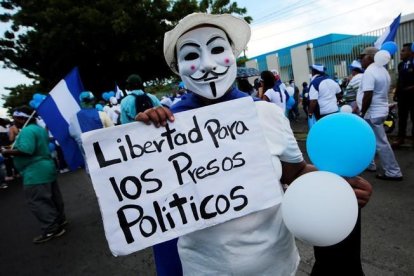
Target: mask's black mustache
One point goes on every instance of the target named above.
(213, 88)
(212, 73)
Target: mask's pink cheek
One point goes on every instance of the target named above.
(192, 67)
(226, 61)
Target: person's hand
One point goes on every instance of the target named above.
(157, 116)
(362, 189)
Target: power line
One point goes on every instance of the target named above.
(283, 12)
(316, 22)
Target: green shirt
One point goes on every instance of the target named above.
(38, 167)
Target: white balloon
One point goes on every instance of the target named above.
(382, 57)
(346, 108)
(320, 208)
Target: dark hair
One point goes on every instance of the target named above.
(409, 44)
(268, 80)
(304, 83)
(316, 72)
(256, 83)
(134, 82)
(244, 85)
(359, 70)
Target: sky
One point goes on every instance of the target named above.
(278, 24)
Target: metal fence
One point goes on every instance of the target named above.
(337, 56)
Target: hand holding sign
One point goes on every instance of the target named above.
(155, 184)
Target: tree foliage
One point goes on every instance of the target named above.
(20, 95)
(106, 39)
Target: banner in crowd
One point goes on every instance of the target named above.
(155, 184)
(60, 105)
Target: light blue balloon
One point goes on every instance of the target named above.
(105, 96)
(341, 143)
(290, 103)
(99, 107)
(38, 97)
(33, 104)
(390, 46)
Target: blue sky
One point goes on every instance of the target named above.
(277, 24)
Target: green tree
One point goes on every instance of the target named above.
(107, 40)
(20, 95)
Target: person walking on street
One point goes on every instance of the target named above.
(294, 111)
(305, 97)
(33, 160)
(374, 88)
(274, 93)
(404, 94)
(323, 93)
(352, 87)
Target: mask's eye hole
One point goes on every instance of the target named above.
(191, 56)
(217, 50)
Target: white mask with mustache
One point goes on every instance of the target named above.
(206, 62)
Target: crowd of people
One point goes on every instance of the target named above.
(205, 46)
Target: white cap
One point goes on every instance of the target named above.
(318, 67)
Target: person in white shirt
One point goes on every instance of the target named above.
(352, 87)
(374, 89)
(202, 50)
(323, 93)
(115, 110)
(274, 93)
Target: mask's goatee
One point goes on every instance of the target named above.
(213, 89)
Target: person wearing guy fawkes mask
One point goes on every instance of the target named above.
(202, 49)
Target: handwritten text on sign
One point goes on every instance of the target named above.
(154, 184)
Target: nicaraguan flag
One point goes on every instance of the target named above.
(57, 109)
(389, 34)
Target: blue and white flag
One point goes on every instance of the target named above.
(57, 109)
(389, 34)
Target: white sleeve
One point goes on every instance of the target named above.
(269, 94)
(313, 93)
(337, 88)
(279, 136)
(368, 81)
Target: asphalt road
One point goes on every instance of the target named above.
(387, 232)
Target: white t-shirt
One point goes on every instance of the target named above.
(258, 243)
(377, 79)
(326, 96)
(115, 113)
(278, 98)
(290, 90)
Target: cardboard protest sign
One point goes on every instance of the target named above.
(155, 184)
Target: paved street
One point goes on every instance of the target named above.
(387, 231)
